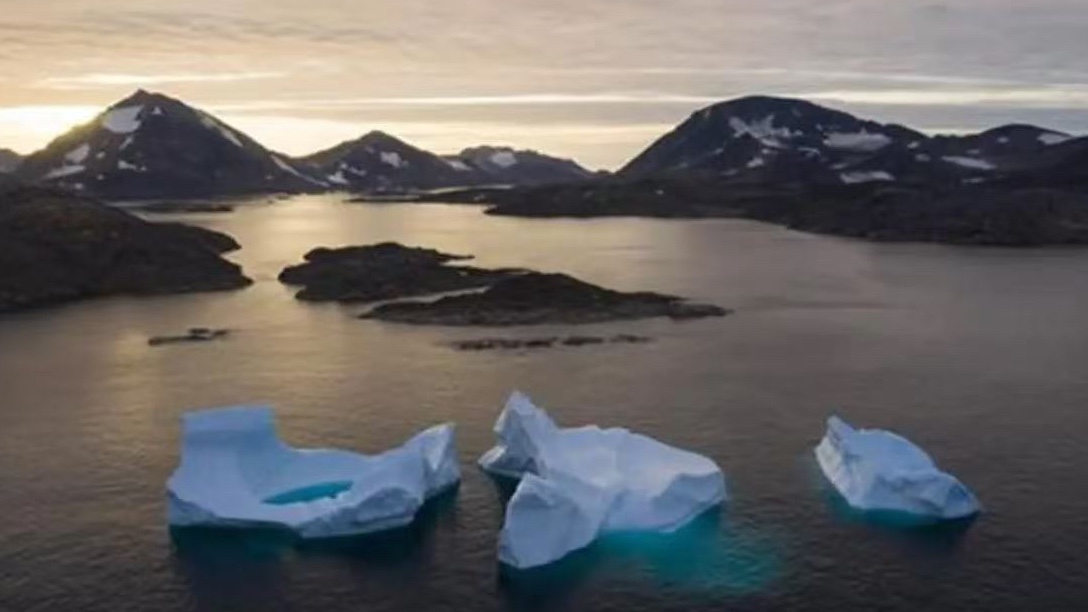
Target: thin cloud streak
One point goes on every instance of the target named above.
(107, 80)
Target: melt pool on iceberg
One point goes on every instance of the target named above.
(236, 472)
(880, 471)
(578, 483)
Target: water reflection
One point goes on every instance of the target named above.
(709, 556)
(218, 564)
(921, 533)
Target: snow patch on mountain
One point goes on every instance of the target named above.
(969, 162)
(79, 154)
(125, 120)
(211, 123)
(854, 178)
(1054, 138)
(504, 159)
(392, 158)
(857, 141)
(64, 171)
(458, 165)
(762, 130)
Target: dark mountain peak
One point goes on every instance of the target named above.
(380, 138)
(149, 145)
(507, 165)
(9, 160)
(1021, 131)
(142, 96)
(771, 136)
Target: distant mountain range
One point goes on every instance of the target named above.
(151, 146)
(769, 140)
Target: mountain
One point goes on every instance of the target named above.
(9, 161)
(380, 163)
(153, 146)
(507, 166)
(59, 247)
(767, 135)
(769, 140)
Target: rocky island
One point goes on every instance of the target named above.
(59, 248)
(534, 298)
(383, 271)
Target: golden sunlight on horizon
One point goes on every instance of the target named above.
(303, 75)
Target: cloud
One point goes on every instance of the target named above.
(1061, 97)
(108, 80)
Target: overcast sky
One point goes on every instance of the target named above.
(591, 79)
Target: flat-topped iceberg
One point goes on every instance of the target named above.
(579, 483)
(880, 471)
(236, 472)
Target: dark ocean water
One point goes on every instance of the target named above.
(980, 355)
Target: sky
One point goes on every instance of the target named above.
(596, 80)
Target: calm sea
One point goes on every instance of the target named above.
(980, 355)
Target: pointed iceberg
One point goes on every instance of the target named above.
(880, 471)
(236, 472)
(579, 483)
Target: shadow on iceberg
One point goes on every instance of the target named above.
(918, 530)
(224, 547)
(578, 484)
(708, 557)
(245, 569)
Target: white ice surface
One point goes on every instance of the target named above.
(124, 120)
(877, 470)
(581, 482)
(233, 463)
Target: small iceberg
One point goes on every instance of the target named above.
(236, 472)
(579, 483)
(880, 471)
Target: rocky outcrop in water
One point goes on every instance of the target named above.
(509, 344)
(58, 248)
(535, 298)
(383, 271)
(195, 334)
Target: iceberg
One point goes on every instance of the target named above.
(880, 471)
(579, 483)
(236, 472)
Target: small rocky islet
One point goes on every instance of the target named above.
(503, 297)
(535, 298)
(384, 271)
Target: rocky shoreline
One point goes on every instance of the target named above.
(60, 248)
(535, 299)
(966, 214)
